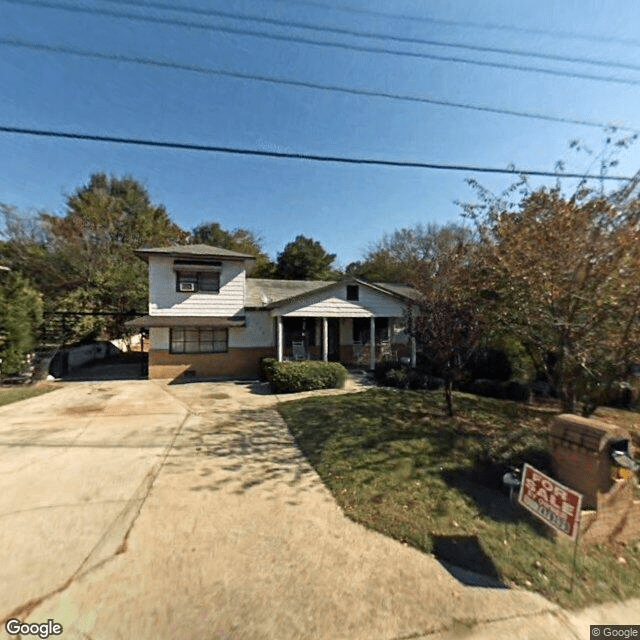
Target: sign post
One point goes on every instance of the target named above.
(556, 505)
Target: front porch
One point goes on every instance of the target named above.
(343, 339)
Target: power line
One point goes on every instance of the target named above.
(460, 23)
(351, 32)
(165, 64)
(297, 156)
(367, 34)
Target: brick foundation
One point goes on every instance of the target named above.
(243, 363)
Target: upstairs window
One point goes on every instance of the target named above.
(353, 292)
(192, 281)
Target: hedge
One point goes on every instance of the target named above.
(512, 390)
(396, 375)
(267, 365)
(309, 375)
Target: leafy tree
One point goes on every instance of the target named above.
(25, 247)
(242, 240)
(447, 320)
(85, 259)
(305, 259)
(563, 277)
(20, 319)
(395, 256)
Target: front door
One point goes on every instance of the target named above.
(333, 325)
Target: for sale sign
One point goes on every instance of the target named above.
(556, 505)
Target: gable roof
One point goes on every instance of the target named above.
(260, 293)
(403, 290)
(195, 250)
(267, 294)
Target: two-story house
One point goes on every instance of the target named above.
(207, 318)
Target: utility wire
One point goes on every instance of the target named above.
(458, 23)
(263, 34)
(298, 156)
(350, 32)
(165, 64)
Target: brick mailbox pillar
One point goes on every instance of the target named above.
(582, 459)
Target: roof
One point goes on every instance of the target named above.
(187, 321)
(262, 293)
(404, 290)
(195, 250)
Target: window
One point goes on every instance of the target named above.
(199, 340)
(191, 280)
(353, 292)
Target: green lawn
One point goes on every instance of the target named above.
(14, 394)
(397, 464)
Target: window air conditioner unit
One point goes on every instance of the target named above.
(187, 286)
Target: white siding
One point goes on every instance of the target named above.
(164, 300)
(334, 304)
(259, 331)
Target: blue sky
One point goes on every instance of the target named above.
(344, 207)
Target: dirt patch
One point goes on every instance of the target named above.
(217, 396)
(81, 410)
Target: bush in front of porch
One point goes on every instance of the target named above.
(291, 377)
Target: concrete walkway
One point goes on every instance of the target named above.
(141, 510)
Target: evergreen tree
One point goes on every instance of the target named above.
(20, 320)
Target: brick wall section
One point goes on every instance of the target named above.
(580, 470)
(580, 455)
(244, 363)
(580, 459)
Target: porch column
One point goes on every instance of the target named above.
(413, 353)
(325, 339)
(372, 342)
(279, 338)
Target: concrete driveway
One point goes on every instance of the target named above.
(141, 510)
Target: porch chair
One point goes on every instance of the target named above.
(385, 350)
(299, 352)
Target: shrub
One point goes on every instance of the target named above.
(381, 370)
(434, 383)
(517, 391)
(490, 364)
(397, 378)
(421, 380)
(512, 390)
(291, 377)
(267, 365)
(620, 396)
(392, 374)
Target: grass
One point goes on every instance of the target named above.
(22, 392)
(395, 463)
